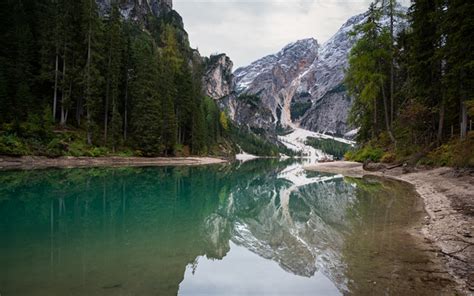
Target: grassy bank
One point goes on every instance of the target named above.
(454, 153)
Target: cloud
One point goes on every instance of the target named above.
(247, 30)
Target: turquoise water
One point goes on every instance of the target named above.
(257, 228)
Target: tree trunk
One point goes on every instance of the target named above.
(125, 112)
(107, 94)
(385, 105)
(88, 67)
(79, 111)
(374, 130)
(392, 62)
(64, 114)
(62, 122)
(441, 123)
(56, 70)
(463, 121)
(64, 110)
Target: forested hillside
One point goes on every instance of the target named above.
(414, 91)
(75, 80)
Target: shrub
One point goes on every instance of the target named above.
(97, 152)
(388, 157)
(11, 145)
(455, 153)
(365, 153)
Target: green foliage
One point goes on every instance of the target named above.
(298, 109)
(199, 131)
(455, 153)
(116, 132)
(366, 78)
(388, 157)
(252, 100)
(367, 152)
(330, 146)
(72, 83)
(12, 145)
(432, 71)
(211, 113)
(224, 121)
(252, 143)
(146, 115)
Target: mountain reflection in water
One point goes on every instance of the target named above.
(258, 227)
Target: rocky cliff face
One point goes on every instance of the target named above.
(276, 79)
(218, 79)
(138, 9)
(331, 104)
(219, 84)
(302, 85)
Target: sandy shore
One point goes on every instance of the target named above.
(449, 202)
(37, 162)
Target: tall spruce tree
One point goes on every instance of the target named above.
(170, 66)
(424, 61)
(92, 78)
(367, 76)
(114, 55)
(147, 116)
(458, 30)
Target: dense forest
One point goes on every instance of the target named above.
(77, 81)
(330, 146)
(414, 90)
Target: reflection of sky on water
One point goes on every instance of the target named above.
(257, 275)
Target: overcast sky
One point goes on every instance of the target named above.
(247, 30)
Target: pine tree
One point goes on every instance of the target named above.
(114, 55)
(367, 76)
(92, 79)
(22, 66)
(458, 29)
(126, 73)
(184, 104)
(198, 131)
(70, 53)
(147, 116)
(115, 127)
(169, 130)
(4, 102)
(170, 65)
(424, 60)
(211, 112)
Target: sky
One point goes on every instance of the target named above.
(247, 30)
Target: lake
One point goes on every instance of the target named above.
(263, 227)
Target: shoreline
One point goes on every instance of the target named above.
(449, 224)
(40, 162)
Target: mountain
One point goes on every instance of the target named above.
(218, 78)
(138, 9)
(280, 79)
(300, 86)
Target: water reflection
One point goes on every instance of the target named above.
(148, 231)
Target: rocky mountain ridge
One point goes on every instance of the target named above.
(277, 78)
(300, 86)
(137, 10)
(218, 79)
(312, 96)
